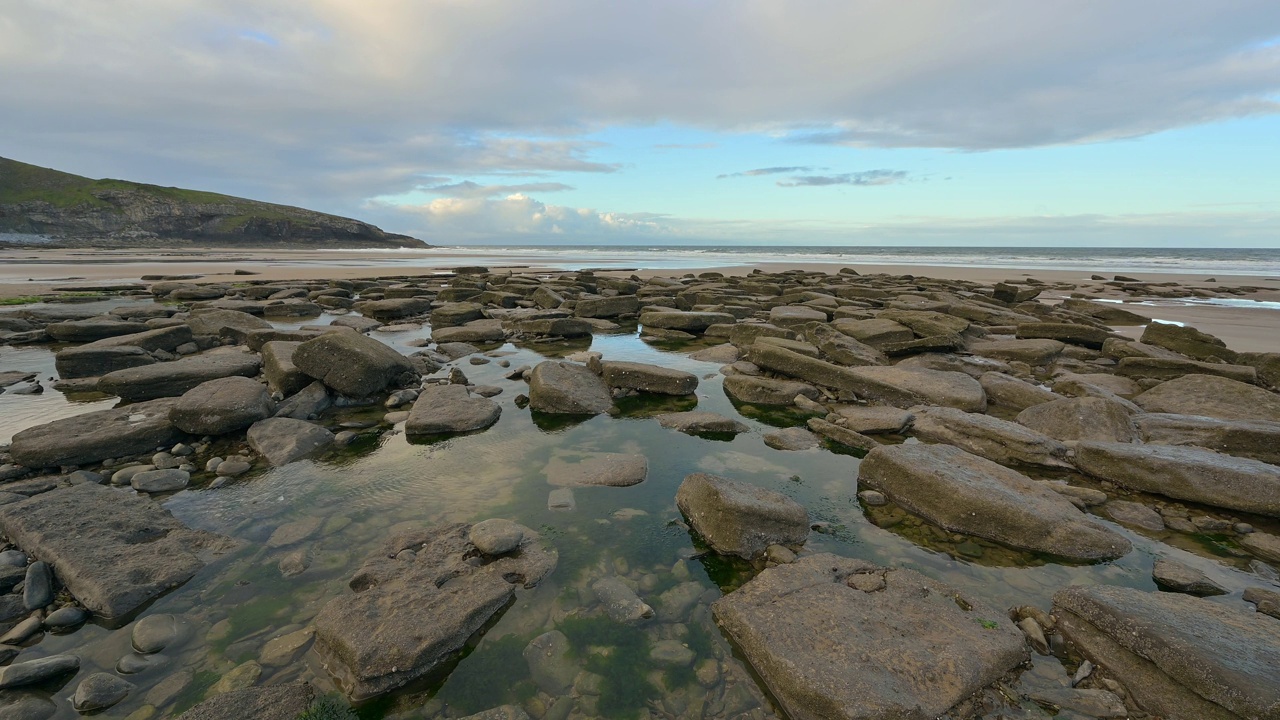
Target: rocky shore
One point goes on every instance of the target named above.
(1009, 424)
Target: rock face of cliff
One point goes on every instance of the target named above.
(72, 210)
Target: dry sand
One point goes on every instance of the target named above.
(33, 272)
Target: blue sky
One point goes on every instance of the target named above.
(563, 121)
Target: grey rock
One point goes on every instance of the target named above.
(1093, 703)
(568, 389)
(403, 619)
(1264, 545)
(1211, 396)
(270, 702)
(875, 331)
(1179, 656)
(95, 436)
(170, 379)
(561, 499)
(1070, 333)
(842, 435)
(620, 602)
(905, 647)
(1031, 352)
(972, 495)
(277, 366)
(1141, 368)
(450, 409)
(1011, 392)
(66, 618)
(551, 662)
(158, 481)
(28, 705)
(113, 551)
(671, 652)
(88, 361)
(353, 364)
(154, 633)
(737, 518)
(233, 467)
(37, 588)
(496, 536)
(91, 329)
(649, 378)
(36, 671)
(309, 402)
(502, 712)
(843, 349)
(1135, 514)
(766, 391)
(221, 406)
(100, 691)
(454, 314)
(1088, 418)
(692, 322)
(793, 439)
(284, 440)
(1185, 473)
(606, 469)
(168, 338)
(874, 419)
(1175, 576)
(698, 421)
(1256, 439)
(1188, 341)
(224, 323)
(999, 440)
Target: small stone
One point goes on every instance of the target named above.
(66, 618)
(1175, 576)
(234, 467)
(873, 498)
(496, 536)
(242, 676)
(212, 464)
(157, 481)
(561, 499)
(37, 590)
(13, 558)
(292, 533)
(1035, 635)
(100, 691)
(134, 662)
(671, 652)
(279, 652)
(154, 633)
(37, 671)
(85, 476)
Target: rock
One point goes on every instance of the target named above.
(454, 314)
(112, 550)
(1265, 601)
(551, 662)
(308, 403)
(66, 618)
(29, 705)
(292, 533)
(496, 536)
(168, 338)
(1108, 313)
(282, 651)
(607, 469)
(224, 323)
(567, 389)
(37, 587)
(874, 332)
(737, 518)
(368, 324)
(353, 364)
(671, 652)
(874, 419)
(37, 671)
(1256, 439)
(284, 440)
(1187, 341)
(233, 467)
(476, 331)
(1185, 473)
(1093, 703)
(1264, 545)
(561, 499)
(272, 702)
(502, 712)
(100, 691)
(1069, 333)
(607, 307)
(972, 495)
(697, 421)
(555, 327)
(546, 298)
(693, 322)
(158, 481)
(1071, 419)
(620, 602)
(649, 378)
(840, 434)
(277, 366)
(826, 649)
(721, 354)
(796, 438)
(1176, 577)
(1211, 396)
(1179, 656)
(95, 436)
(450, 409)
(385, 310)
(171, 379)
(766, 391)
(404, 620)
(1141, 368)
(1010, 392)
(1135, 514)
(87, 361)
(1032, 352)
(221, 406)
(999, 440)
(91, 329)
(840, 348)
(240, 677)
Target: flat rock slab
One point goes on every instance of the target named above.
(88, 361)
(972, 495)
(1256, 439)
(408, 616)
(766, 391)
(222, 406)
(450, 409)
(1185, 473)
(608, 469)
(874, 419)
(836, 637)
(992, 438)
(649, 378)
(699, 421)
(97, 435)
(567, 388)
(283, 440)
(1074, 419)
(271, 702)
(353, 364)
(1211, 396)
(1181, 657)
(170, 379)
(113, 550)
(694, 322)
(738, 518)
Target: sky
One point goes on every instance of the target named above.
(806, 122)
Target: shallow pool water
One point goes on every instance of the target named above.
(383, 482)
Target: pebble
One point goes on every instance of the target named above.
(240, 677)
(561, 499)
(85, 476)
(212, 464)
(100, 691)
(22, 631)
(124, 475)
(66, 618)
(13, 558)
(873, 498)
(233, 467)
(671, 652)
(37, 590)
(496, 536)
(157, 481)
(181, 450)
(36, 671)
(165, 461)
(134, 663)
(154, 633)
(279, 652)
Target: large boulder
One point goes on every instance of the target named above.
(756, 390)
(972, 495)
(649, 378)
(277, 367)
(992, 438)
(567, 389)
(605, 307)
(1185, 473)
(1180, 657)
(1087, 418)
(1247, 438)
(115, 551)
(888, 385)
(170, 379)
(1212, 396)
(454, 314)
(450, 409)
(835, 637)
(97, 435)
(737, 518)
(409, 615)
(353, 364)
(1187, 341)
(89, 361)
(282, 440)
(222, 406)
(841, 348)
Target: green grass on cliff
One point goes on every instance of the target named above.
(20, 182)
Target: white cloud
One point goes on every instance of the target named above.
(470, 218)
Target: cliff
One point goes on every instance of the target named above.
(76, 211)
